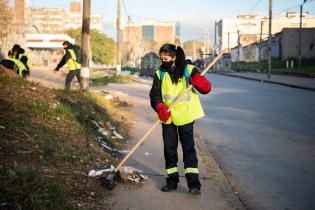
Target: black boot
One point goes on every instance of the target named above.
(171, 184)
(194, 191)
(167, 188)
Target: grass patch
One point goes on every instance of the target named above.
(98, 81)
(308, 66)
(132, 70)
(51, 130)
(28, 189)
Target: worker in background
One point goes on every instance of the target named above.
(18, 66)
(173, 77)
(17, 52)
(74, 66)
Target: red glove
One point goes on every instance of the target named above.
(161, 109)
(200, 83)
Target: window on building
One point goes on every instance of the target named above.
(148, 32)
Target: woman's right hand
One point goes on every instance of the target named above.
(163, 112)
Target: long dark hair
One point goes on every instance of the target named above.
(177, 51)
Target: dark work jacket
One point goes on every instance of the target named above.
(64, 59)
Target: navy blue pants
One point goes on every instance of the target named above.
(185, 133)
(70, 76)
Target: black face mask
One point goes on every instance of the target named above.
(167, 64)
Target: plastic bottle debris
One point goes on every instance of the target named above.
(107, 130)
(117, 135)
(109, 126)
(104, 145)
(102, 131)
(95, 173)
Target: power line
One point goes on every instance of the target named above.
(125, 8)
(254, 7)
(296, 6)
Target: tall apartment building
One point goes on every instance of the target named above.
(247, 29)
(146, 37)
(158, 31)
(57, 20)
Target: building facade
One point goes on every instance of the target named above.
(140, 38)
(46, 49)
(157, 31)
(57, 20)
(246, 29)
(284, 46)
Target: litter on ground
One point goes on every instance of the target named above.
(104, 145)
(126, 174)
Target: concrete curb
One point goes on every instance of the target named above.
(267, 81)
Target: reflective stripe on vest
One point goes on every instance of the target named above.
(172, 170)
(188, 108)
(191, 171)
(72, 62)
(20, 65)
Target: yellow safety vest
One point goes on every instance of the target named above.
(72, 62)
(20, 65)
(188, 108)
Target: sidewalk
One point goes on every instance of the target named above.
(290, 81)
(149, 158)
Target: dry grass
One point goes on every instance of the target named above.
(48, 136)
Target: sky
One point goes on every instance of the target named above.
(197, 17)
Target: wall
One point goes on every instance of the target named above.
(290, 44)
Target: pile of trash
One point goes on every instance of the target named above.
(109, 132)
(126, 174)
(132, 175)
(102, 142)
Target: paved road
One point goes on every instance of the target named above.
(263, 136)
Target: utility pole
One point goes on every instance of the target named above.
(261, 29)
(215, 34)
(128, 40)
(238, 46)
(300, 35)
(118, 44)
(229, 50)
(269, 40)
(194, 47)
(85, 71)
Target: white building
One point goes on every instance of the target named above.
(246, 29)
(57, 20)
(46, 49)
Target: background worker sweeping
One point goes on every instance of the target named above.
(72, 59)
(173, 77)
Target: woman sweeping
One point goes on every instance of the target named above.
(173, 77)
